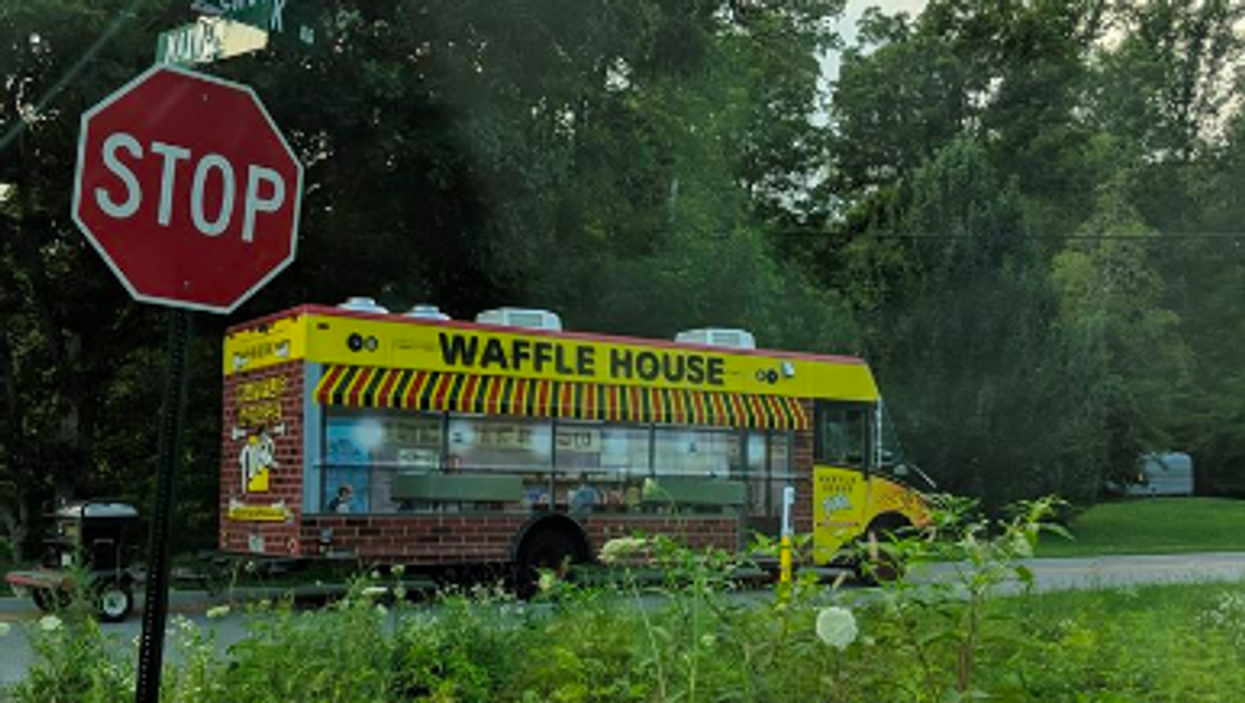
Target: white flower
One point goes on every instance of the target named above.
(398, 570)
(620, 548)
(547, 580)
(400, 592)
(374, 591)
(4, 629)
(49, 623)
(382, 609)
(836, 627)
(219, 611)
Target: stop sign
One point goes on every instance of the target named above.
(187, 189)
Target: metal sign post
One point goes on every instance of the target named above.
(172, 419)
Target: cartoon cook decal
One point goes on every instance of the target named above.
(257, 457)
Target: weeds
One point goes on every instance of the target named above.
(690, 637)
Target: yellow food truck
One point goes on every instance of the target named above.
(416, 439)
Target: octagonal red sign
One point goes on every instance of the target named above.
(187, 189)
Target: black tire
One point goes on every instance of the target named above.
(886, 567)
(114, 601)
(543, 550)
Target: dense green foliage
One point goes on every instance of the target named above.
(1026, 214)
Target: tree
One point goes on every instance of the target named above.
(985, 387)
(69, 329)
(1113, 299)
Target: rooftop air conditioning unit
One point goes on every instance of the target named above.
(718, 337)
(426, 312)
(521, 317)
(361, 304)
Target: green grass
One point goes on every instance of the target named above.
(1153, 526)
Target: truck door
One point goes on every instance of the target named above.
(840, 474)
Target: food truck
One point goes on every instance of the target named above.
(352, 432)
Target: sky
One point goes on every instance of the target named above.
(847, 25)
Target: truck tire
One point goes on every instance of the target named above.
(885, 568)
(546, 549)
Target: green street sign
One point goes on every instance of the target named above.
(286, 21)
(206, 40)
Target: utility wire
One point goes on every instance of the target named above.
(1140, 238)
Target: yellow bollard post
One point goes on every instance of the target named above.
(785, 546)
(784, 561)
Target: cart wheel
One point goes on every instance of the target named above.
(115, 601)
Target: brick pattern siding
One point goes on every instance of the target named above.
(467, 538)
(272, 399)
(803, 469)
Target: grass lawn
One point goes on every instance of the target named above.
(1153, 526)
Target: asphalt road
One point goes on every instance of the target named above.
(1051, 574)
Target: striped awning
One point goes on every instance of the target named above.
(370, 387)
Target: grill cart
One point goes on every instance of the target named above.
(92, 540)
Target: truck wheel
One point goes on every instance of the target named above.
(886, 567)
(545, 550)
(114, 601)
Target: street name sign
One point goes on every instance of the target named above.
(206, 40)
(286, 21)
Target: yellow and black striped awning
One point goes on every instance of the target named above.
(370, 387)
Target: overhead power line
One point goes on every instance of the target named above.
(1140, 238)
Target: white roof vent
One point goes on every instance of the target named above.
(426, 312)
(718, 337)
(361, 304)
(522, 317)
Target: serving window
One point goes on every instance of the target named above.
(364, 449)
(499, 445)
(394, 460)
(694, 451)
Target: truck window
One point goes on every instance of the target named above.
(843, 434)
